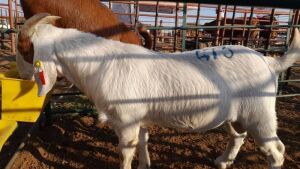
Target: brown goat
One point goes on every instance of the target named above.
(85, 15)
(265, 33)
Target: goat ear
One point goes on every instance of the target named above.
(45, 73)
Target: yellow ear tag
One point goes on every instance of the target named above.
(38, 65)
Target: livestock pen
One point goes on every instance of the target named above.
(74, 142)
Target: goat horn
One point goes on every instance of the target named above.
(27, 27)
(41, 18)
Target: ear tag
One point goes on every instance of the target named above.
(39, 70)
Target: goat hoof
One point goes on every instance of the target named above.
(275, 167)
(222, 164)
(146, 166)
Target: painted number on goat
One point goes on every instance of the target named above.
(206, 54)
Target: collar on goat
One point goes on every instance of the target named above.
(39, 70)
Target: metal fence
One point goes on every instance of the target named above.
(177, 26)
(10, 18)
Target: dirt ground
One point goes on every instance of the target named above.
(73, 142)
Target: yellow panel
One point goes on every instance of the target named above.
(19, 97)
(20, 101)
(6, 129)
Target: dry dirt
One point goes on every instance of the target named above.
(77, 142)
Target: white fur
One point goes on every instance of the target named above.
(137, 87)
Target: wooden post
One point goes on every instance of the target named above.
(16, 13)
(224, 23)
(11, 23)
(136, 14)
(183, 38)
(232, 24)
(250, 21)
(155, 24)
(176, 25)
(244, 23)
(268, 44)
(218, 24)
(197, 30)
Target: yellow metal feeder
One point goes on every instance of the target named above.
(19, 102)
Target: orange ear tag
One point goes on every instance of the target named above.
(38, 66)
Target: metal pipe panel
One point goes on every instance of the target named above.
(291, 4)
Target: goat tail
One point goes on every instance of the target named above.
(289, 58)
(282, 63)
(146, 35)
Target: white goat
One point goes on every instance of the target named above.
(195, 91)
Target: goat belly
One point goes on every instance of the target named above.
(198, 117)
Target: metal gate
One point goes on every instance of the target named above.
(177, 26)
